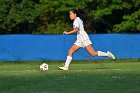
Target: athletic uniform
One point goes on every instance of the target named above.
(82, 37)
(82, 41)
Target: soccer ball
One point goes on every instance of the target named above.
(44, 67)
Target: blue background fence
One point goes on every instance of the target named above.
(55, 47)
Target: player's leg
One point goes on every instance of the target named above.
(91, 51)
(73, 49)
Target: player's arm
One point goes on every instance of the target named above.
(75, 30)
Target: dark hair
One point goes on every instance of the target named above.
(75, 11)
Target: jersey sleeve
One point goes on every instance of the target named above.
(76, 24)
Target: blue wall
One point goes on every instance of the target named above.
(55, 47)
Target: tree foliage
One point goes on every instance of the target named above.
(52, 16)
(16, 14)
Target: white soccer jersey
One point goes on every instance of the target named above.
(81, 34)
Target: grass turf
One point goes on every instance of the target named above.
(83, 77)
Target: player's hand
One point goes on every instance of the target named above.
(65, 32)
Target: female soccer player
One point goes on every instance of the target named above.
(82, 40)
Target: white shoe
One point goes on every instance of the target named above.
(111, 55)
(63, 68)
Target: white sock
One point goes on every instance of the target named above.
(100, 53)
(67, 63)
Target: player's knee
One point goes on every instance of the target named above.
(94, 54)
(70, 52)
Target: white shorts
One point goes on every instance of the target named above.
(83, 44)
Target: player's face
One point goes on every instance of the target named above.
(72, 15)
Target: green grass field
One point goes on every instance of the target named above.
(83, 77)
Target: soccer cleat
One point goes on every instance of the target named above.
(111, 55)
(63, 68)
